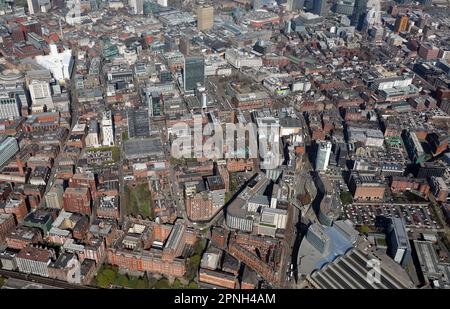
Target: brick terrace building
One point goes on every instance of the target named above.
(15, 206)
(23, 236)
(217, 278)
(133, 250)
(199, 206)
(401, 184)
(7, 224)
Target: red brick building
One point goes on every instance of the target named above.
(219, 237)
(16, 206)
(239, 165)
(7, 224)
(217, 278)
(401, 184)
(86, 180)
(77, 200)
(199, 206)
(23, 236)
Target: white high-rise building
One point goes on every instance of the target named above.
(37, 6)
(33, 6)
(323, 155)
(8, 148)
(9, 108)
(107, 129)
(41, 96)
(137, 6)
(293, 5)
(54, 197)
(373, 17)
(163, 3)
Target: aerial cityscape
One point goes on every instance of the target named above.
(233, 144)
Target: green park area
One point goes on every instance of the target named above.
(194, 260)
(365, 229)
(109, 277)
(346, 198)
(2, 281)
(139, 201)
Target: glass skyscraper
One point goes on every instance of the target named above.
(319, 7)
(193, 73)
(359, 14)
(323, 155)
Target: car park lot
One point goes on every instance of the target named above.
(415, 215)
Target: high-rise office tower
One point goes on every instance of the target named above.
(373, 16)
(193, 72)
(293, 5)
(205, 17)
(33, 6)
(319, 7)
(401, 24)
(107, 129)
(344, 7)
(137, 6)
(309, 5)
(323, 155)
(359, 14)
(185, 46)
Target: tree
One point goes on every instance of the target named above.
(199, 246)
(192, 285)
(103, 281)
(346, 198)
(194, 263)
(110, 274)
(177, 284)
(228, 196)
(364, 229)
(122, 280)
(162, 284)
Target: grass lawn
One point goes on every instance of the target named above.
(194, 261)
(109, 276)
(346, 197)
(138, 201)
(2, 281)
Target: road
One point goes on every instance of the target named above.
(43, 280)
(74, 107)
(122, 199)
(177, 194)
